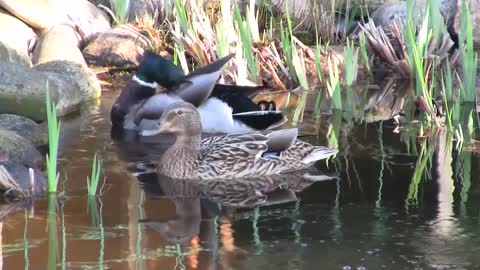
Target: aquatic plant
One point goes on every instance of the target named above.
(350, 63)
(92, 181)
(333, 86)
(299, 65)
(452, 104)
(468, 55)
(421, 168)
(363, 50)
(244, 28)
(181, 16)
(52, 231)
(318, 58)
(286, 45)
(53, 137)
(120, 10)
(417, 45)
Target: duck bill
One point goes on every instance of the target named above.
(164, 128)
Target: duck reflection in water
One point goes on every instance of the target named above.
(200, 202)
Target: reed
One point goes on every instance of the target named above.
(421, 168)
(120, 10)
(468, 55)
(244, 30)
(53, 138)
(299, 66)
(318, 59)
(417, 46)
(363, 50)
(333, 86)
(181, 16)
(350, 63)
(92, 181)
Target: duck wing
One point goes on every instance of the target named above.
(242, 156)
(154, 107)
(281, 140)
(197, 86)
(240, 146)
(227, 156)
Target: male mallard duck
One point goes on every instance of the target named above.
(230, 156)
(143, 85)
(223, 109)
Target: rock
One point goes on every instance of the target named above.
(19, 149)
(304, 10)
(21, 176)
(141, 10)
(27, 128)
(87, 18)
(40, 14)
(22, 91)
(390, 12)
(475, 17)
(397, 11)
(14, 38)
(44, 14)
(122, 46)
(82, 76)
(361, 7)
(12, 55)
(59, 43)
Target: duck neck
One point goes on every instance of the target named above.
(189, 142)
(179, 160)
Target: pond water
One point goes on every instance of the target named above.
(375, 215)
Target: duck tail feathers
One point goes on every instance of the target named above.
(318, 177)
(319, 153)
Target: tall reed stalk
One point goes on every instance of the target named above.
(417, 47)
(92, 181)
(468, 55)
(120, 10)
(53, 137)
(244, 28)
(333, 86)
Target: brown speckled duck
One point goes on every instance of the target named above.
(229, 156)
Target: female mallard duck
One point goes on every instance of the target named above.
(223, 108)
(230, 156)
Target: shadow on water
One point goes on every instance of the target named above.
(403, 197)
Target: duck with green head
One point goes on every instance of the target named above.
(229, 156)
(223, 108)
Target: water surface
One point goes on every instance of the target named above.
(374, 216)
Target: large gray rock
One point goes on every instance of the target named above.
(25, 127)
(22, 91)
(44, 14)
(10, 54)
(82, 76)
(86, 17)
(122, 46)
(21, 176)
(59, 43)
(40, 14)
(18, 149)
(389, 12)
(15, 37)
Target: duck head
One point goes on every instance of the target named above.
(154, 69)
(180, 118)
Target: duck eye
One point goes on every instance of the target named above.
(179, 112)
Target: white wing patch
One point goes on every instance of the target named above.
(216, 117)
